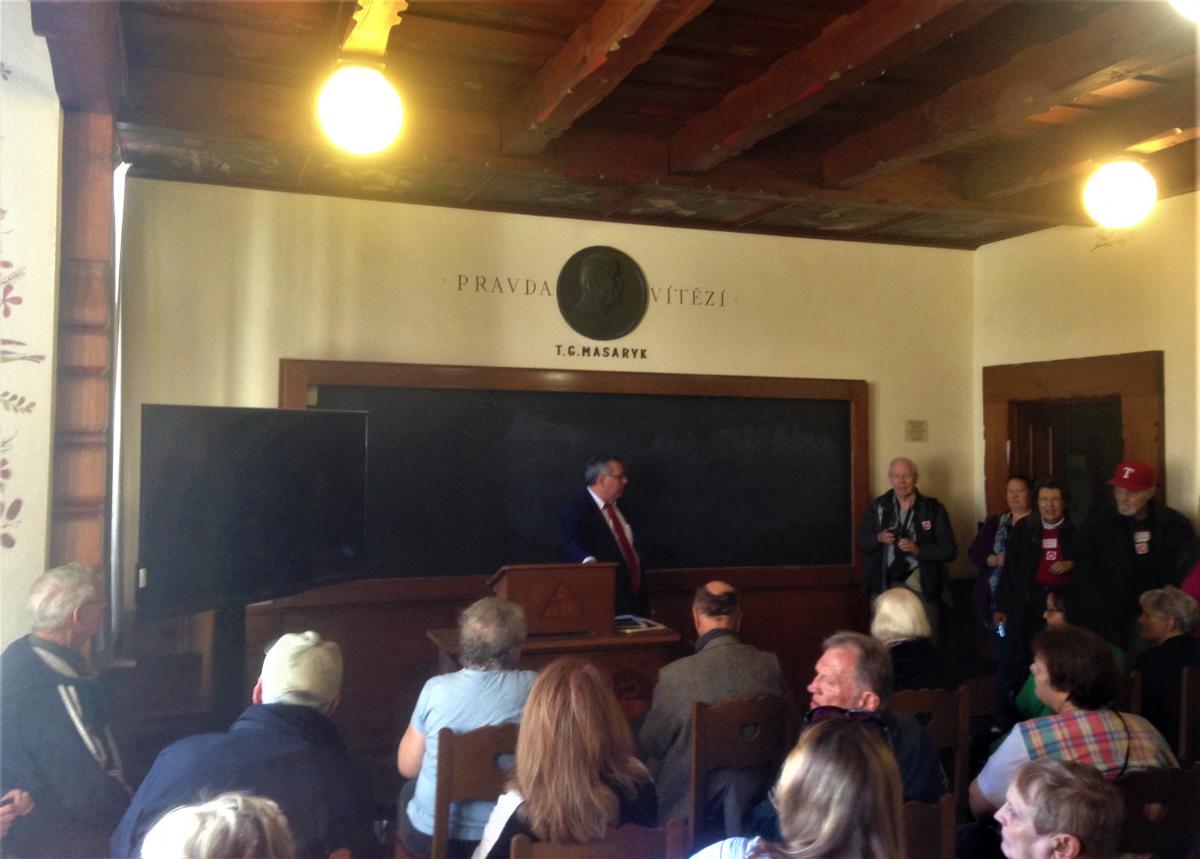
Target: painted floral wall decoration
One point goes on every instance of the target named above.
(12, 401)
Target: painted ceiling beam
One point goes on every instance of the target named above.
(854, 48)
(1069, 150)
(598, 56)
(1112, 46)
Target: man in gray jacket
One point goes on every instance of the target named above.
(721, 669)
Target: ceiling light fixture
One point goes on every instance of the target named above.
(1120, 194)
(1189, 9)
(358, 106)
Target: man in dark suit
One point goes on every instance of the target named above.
(595, 529)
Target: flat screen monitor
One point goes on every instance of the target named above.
(240, 505)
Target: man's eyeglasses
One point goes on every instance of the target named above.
(827, 712)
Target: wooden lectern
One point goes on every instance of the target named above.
(560, 599)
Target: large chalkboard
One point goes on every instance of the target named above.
(470, 469)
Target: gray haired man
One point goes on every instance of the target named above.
(55, 740)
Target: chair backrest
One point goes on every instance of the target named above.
(1129, 694)
(929, 827)
(1160, 809)
(1189, 716)
(946, 715)
(468, 767)
(738, 734)
(627, 841)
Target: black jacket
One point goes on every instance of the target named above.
(585, 532)
(55, 744)
(1115, 571)
(285, 752)
(934, 538)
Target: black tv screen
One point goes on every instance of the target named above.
(240, 505)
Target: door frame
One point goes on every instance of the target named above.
(1136, 377)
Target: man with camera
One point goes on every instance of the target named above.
(908, 541)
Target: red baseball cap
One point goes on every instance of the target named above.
(1133, 475)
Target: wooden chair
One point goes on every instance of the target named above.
(468, 768)
(740, 734)
(946, 715)
(929, 827)
(1129, 694)
(1160, 810)
(1189, 716)
(632, 842)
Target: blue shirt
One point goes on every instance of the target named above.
(462, 701)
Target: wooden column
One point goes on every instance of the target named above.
(83, 390)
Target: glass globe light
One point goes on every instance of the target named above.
(1120, 194)
(359, 110)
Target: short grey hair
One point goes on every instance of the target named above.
(231, 825)
(597, 467)
(1172, 603)
(873, 670)
(58, 592)
(490, 634)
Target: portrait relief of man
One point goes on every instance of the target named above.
(601, 293)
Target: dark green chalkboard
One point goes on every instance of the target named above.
(464, 480)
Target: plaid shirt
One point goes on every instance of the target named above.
(1097, 737)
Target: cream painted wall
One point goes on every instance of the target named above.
(1057, 294)
(30, 128)
(220, 283)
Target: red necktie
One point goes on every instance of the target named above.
(631, 558)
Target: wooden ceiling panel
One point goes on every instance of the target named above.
(548, 194)
(835, 118)
(549, 17)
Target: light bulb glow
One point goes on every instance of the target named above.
(1120, 194)
(1189, 9)
(359, 110)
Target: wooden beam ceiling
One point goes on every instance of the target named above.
(1068, 150)
(1112, 46)
(854, 48)
(544, 111)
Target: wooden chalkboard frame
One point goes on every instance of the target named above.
(298, 376)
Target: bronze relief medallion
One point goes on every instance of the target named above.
(602, 293)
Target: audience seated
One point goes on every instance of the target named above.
(855, 673)
(284, 747)
(575, 774)
(837, 796)
(1059, 809)
(721, 669)
(1167, 619)
(1065, 605)
(900, 623)
(55, 743)
(1075, 675)
(489, 690)
(230, 826)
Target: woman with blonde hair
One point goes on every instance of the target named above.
(575, 774)
(838, 795)
(899, 622)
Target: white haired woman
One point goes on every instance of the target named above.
(899, 621)
(487, 691)
(229, 826)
